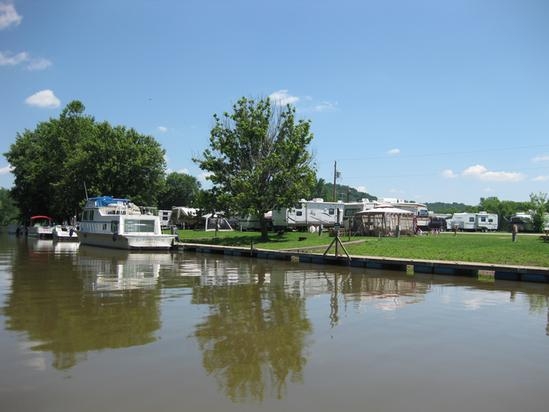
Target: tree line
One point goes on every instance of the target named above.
(258, 159)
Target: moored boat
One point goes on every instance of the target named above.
(64, 233)
(118, 223)
(41, 226)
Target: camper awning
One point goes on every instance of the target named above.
(385, 211)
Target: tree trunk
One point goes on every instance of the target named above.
(263, 227)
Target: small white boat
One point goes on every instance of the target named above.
(41, 227)
(120, 224)
(65, 233)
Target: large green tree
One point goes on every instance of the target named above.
(53, 162)
(259, 159)
(180, 189)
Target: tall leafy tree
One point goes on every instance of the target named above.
(180, 189)
(258, 158)
(54, 161)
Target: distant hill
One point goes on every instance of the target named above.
(345, 193)
(440, 207)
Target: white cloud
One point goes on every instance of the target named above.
(325, 107)
(162, 129)
(183, 171)
(8, 16)
(44, 98)
(541, 179)
(282, 98)
(6, 169)
(33, 64)
(8, 59)
(449, 174)
(38, 64)
(362, 189)
(393, 152)
(480, 172)
(541, 158)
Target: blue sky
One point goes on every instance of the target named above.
(424, 100)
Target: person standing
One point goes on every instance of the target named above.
(514, 231)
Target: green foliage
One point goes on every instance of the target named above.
(449, 208)
(539, 205)
(9, 213)
(54, 161)
(179, 189)
(258, 158)
(325, 190)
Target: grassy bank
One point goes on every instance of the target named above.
(494, 248)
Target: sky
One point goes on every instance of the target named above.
(424, 100)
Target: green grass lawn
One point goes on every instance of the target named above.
(495, 248)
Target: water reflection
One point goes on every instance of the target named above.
(258, 328)
(50, 301)
(254, 340)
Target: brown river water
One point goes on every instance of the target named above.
(91, 329)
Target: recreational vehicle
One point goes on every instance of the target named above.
(164, 216)
(314, 213)
(486, 221)
(465, 221)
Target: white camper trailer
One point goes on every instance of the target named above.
(165, 216)
(486, 221)
(462, 221)
(307, 213)
(482, 221)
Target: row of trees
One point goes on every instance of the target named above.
(258, 160)
(55, 162)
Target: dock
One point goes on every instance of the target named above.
(410, 266)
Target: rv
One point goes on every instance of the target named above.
(486, 222)
(314, 213)
(165, 216)
(465, 221)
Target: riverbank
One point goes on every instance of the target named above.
(478, 270)
(487, 248)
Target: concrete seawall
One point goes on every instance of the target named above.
(453, 268)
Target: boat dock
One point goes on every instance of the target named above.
(410, 266)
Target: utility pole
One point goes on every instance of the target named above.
(335, 177)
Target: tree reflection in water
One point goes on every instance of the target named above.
(254, 339)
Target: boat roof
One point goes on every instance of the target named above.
(107, 200)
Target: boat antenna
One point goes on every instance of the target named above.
(86, 190)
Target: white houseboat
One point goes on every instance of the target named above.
(120, 224)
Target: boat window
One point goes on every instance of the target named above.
(331, 211)
(299, 213)
(114, 226)
(139, 226)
